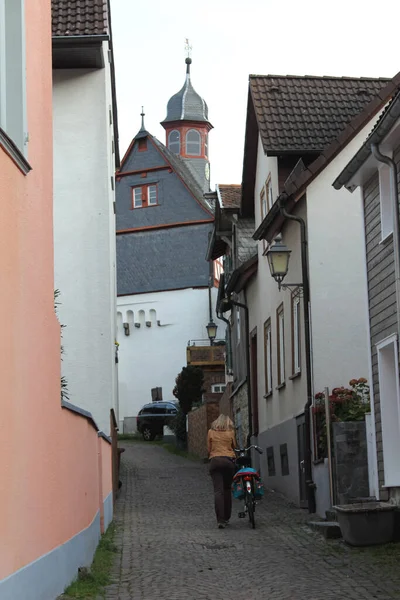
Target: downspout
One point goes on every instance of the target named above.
(310, 485)
(396, 221)
(247, 329)
(210, 285)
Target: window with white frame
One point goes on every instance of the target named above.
(218, 388)
(268, 356)
(174, 141)
(237, 324)
(12, 72)
(263, 203)
(280, 322)
(296, 334)
(386, 202)
(193, 142)
(389, 395)
(144, 195)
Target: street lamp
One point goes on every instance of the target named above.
(278, 259)
(211, 331)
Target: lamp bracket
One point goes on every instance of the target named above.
(296, 288)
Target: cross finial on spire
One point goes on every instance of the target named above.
(188, 60)
(142, 115)
(188, 48)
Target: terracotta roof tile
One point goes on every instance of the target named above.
(79, 17)
(230, 195)
(297, 114)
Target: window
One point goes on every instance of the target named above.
(386, 202)
(174, 141)
(12, 72)
(268, 195)
(263, 203)
(193, 142)
(206, 145)
(280, 344)
(271, 461)
(144, 195)
(218, 388)
(284, 459)
(296, 334)
(388, 373)
(237, 324)
(268, 357)
(142, 145)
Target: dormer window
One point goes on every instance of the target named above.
(193, 143)
(142, 145)
(174, 141)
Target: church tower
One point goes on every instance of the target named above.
(187, 127)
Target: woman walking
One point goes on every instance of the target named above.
(221, 444)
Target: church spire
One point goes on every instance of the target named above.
(142, 114)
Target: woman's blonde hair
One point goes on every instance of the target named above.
(223, 423)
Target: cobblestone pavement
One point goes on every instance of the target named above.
(171, 549)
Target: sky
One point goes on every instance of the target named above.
(231, 39)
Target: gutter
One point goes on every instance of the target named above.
(396, 221)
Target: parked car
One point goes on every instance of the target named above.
(153, 417)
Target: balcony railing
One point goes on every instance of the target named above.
(206, 342)
(202, 355)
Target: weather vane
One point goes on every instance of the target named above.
(188, 47)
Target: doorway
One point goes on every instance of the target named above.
(254, 380)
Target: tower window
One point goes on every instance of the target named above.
(142, 145)
(174, 141)
(193, 142)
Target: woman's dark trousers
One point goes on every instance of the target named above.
(222, 470)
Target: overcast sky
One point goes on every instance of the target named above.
(230, 40)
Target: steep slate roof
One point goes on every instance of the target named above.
(246, 246)
(305, 114)
(230, 195)
(79, 17)
(146, 259)
(187, 104)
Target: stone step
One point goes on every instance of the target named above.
(329, 529)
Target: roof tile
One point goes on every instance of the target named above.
(79, 17)
(300, 114)
(230, 195)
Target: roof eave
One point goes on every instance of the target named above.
(382, 130)
(241, 276)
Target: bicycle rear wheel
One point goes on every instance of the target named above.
(250, 509)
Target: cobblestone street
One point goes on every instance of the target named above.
(171, 549)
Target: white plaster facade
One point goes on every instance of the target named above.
(154, 353)
(84, 235)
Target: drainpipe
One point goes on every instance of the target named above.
(247, 329)
(396, 224)
(310, 485)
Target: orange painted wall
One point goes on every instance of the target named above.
(49, 480)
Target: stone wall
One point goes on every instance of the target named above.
(199, 422)
(350, 461)
(241, 414)
(225, 403)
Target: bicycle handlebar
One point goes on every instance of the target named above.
(259, 450)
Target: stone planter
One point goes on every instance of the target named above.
(366, 523)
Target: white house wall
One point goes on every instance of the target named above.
(338, 283)
(84, 234)
(153, 354)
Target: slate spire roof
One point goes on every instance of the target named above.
(187, 104)
(79, 17)
(305, 114)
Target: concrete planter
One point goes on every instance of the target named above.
(366, 523)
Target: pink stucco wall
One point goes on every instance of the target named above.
(49, 469)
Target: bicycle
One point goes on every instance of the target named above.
(247, 483)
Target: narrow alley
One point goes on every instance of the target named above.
(170, 548)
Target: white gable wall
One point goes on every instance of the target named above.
(152, 356)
